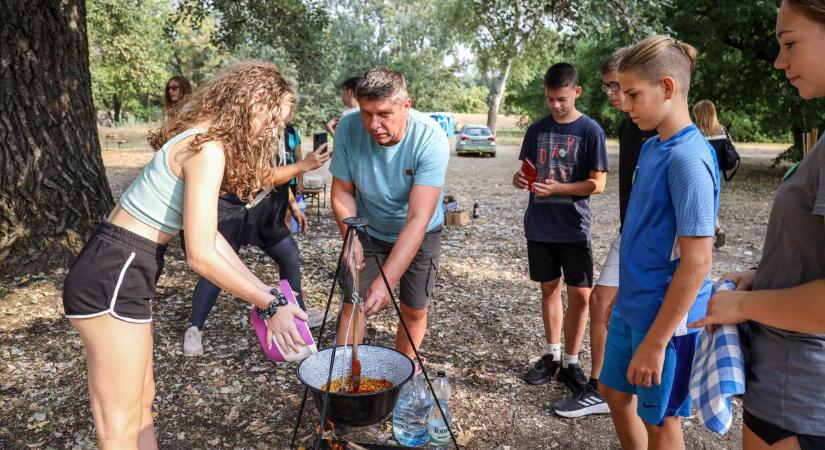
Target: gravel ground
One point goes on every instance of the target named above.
(485, 330)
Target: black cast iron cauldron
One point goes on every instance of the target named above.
(357, 409)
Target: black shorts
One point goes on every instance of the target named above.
(115, 274)
(416, 285)
(262, 225)
(547, 261)
(771, 434)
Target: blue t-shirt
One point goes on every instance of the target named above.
(565, 152)
(675, 193)
(384, 176)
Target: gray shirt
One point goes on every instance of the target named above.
(786, 370)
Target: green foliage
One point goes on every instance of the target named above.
(127, 52)
(737, 48)
(194, 51)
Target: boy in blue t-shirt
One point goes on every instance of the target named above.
(570, 157)
(665, 254)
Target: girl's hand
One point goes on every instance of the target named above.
(281, 329)
(743, 280)
(317, 158)
(301, 219)
(724, 308)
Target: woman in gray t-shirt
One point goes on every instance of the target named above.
(783, 301)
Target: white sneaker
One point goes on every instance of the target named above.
(192, 345)
(314, 318)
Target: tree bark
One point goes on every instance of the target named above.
(53, 186)
(498, 96)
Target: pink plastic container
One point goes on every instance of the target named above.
(275, 353)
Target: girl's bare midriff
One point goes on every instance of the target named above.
(123, 219)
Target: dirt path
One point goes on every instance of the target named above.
(485, 329)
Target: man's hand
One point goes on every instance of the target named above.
(377, 297)
(546, 189)
(519, 180)
(316, 159)
(724, 308)
(645, 368)
(357, 261)
(301, 219)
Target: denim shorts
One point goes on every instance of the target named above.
(672, 396)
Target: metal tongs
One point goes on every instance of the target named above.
(357, 310)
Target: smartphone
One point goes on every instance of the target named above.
(319, 139)
(529, 171)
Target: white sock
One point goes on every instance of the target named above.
(566, 360)
(555, 350)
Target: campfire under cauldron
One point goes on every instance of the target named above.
(357, 409)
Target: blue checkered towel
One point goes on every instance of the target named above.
(718, 372)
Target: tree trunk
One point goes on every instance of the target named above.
(498, 96)
(53, 187)
(116, 107)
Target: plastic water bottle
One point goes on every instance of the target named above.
(409, 419)
(476, 207)
(437, 427)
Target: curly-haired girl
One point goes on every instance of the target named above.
(222, 139)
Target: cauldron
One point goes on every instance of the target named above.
(357, 409)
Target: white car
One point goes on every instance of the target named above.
(476, 140)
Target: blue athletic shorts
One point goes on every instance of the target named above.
(672, 396)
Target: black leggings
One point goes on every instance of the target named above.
(285, 253)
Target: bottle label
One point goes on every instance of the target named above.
(439, 432)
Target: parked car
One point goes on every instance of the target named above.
(475, 140)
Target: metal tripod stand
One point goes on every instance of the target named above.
(356, 226)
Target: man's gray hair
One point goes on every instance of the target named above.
(380, 83)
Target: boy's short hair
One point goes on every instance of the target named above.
(350, 84)
(660, 56)
(611, 63)
(561, 75)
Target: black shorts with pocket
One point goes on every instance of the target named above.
(416, 285)
(115, 274)
(548, 260)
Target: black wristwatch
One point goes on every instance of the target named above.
(269, 311)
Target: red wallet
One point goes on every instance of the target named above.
(529, 171)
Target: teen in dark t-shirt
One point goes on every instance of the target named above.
(565, 153)
(631, 139)
(569, 154)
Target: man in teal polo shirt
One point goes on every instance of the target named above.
(389, 167)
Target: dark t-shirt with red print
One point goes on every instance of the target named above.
(565, 152)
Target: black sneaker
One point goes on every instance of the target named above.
(573, 377)
(543, 370)
(586, 402)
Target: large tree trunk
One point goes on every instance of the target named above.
(53, 187)
(498, 96)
